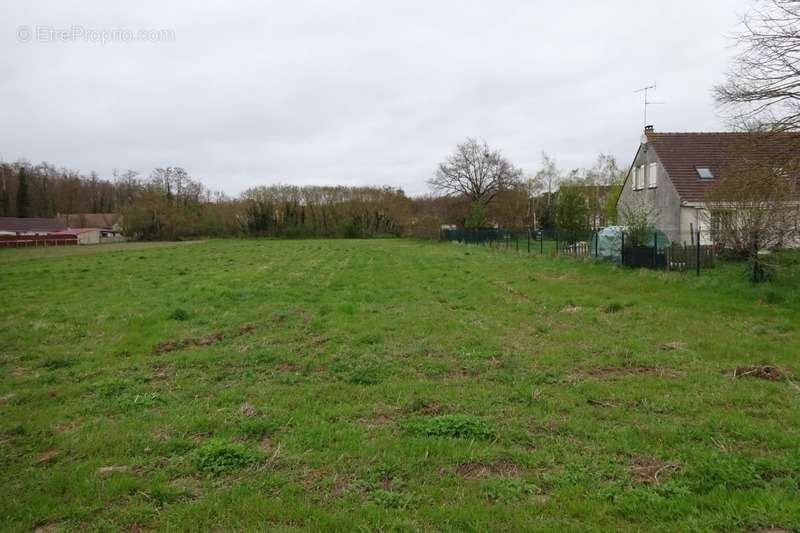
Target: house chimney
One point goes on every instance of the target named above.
(649, 129)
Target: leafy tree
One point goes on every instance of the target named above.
(572, 209)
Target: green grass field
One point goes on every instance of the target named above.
(391, 385)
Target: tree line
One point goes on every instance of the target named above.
(170, 204)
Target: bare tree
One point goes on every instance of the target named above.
(755, 206)
(549, 176)
(762, 90)
(476, 172)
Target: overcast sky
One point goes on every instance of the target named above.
(351, 92)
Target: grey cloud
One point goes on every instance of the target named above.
(354, 92)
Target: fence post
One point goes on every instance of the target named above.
(556, 243)
(622, 249)
(541, 242)
(529, 241)
(516, 240)
(655, 249)
(596, 244)
(698, 253)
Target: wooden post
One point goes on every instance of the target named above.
(655, 249)
(698, 253)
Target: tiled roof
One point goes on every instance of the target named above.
(90, 220)
(682, 153)
(41, 225)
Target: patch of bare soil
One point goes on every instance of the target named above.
(628, 371)
(161, 372)
(248, 411)
(20, 371)
(7, 397)
(163, 434)
(46, 457)
(67, 427)
(675, 346)
(286, 367)
(47, 528)
(192, 487)
(207, 340)
(340, 484)
(571, 309)
(651, 471)
(113, 469)
(603, 403)
(376, 420)
(483, 470)
(431, 408)
(514, 292)
(769, 373)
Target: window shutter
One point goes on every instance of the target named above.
(653, 179)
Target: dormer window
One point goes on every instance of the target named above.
(705, 173)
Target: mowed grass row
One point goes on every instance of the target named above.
(391, 385)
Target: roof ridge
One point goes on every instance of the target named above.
(722, 133)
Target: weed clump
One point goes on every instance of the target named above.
(390, 499)
(367, 370)
(508, 490)
(613, 307)
(452, 426)
(58, 363)
(179, 314)
(220, 457)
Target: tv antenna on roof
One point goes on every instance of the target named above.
(647, 102)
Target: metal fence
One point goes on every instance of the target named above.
(660, 256)
(26, 241)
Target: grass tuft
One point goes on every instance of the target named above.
(179, 314)
(453, 426)
(221, 457)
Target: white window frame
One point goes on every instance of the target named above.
(640, 177)
(652, 175)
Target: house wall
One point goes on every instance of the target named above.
(663, 199)
(89, 237)
(693, 219)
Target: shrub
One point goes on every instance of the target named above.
(453, 426)
(220, 457)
